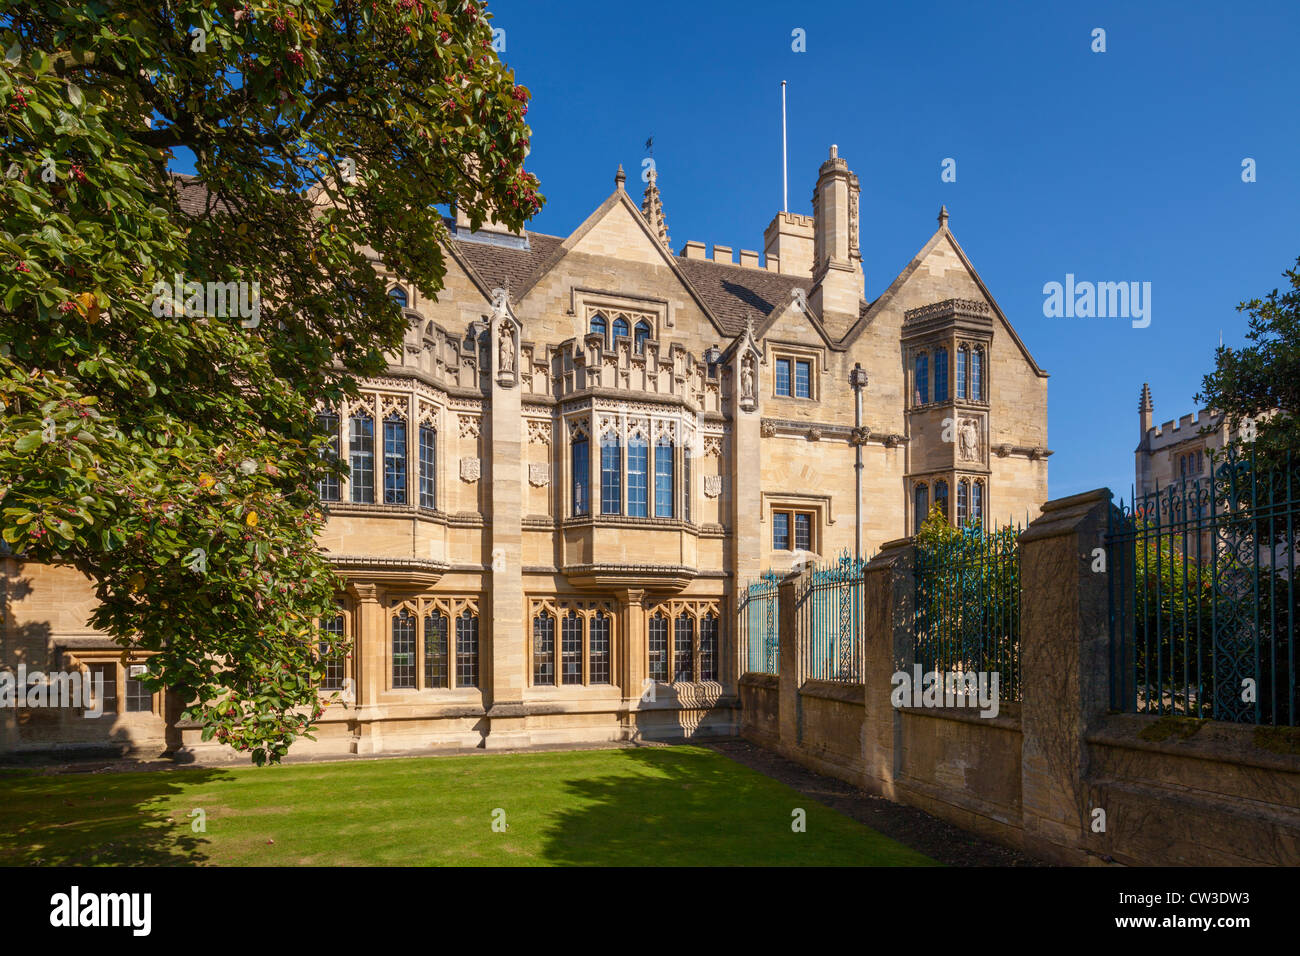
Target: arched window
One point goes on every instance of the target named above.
(398, 296)
(544, 650)
(684, 648)
(598, 327)
(361, 451)
(709, 647)
(571, 649)
(921, 500)
(394, 460)
(598, 649)
(977, 375)
(620, 330)
(963, 371)
(663, 478)
(611, 476)
(963, 502)
(581, 468)
(922, 379)
(403, 650)
(466, 650)
(941, 375)
(941, 497)
(638, 463)
(977, 501)
(328, 421)
(658, 647)
(435, 649)
(640, 334)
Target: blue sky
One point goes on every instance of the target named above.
(1115, 166)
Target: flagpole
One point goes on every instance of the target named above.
(785, 189)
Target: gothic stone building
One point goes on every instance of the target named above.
(587, 446)
(1177, 453)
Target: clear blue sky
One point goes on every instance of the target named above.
(1115, 166)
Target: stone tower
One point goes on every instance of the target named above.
(838, 284)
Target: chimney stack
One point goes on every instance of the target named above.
(788, 239)
(838, 285)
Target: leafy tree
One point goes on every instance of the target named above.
(168, 448)
(1264, 375)
(968, 598)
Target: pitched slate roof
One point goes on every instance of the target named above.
(494, 264)
(732, 292)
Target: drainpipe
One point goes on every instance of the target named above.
(858, 379)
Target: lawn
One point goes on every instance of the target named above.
(677, 806)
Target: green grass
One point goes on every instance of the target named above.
(677, 806)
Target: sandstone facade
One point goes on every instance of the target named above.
(588, 444)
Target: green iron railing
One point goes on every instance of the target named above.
(1203, 596)
(759, 626)
(967, 611)
(829, 612)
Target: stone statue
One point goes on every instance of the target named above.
(747, 378)
(969, 440)
(506, 350)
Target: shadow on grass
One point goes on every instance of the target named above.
(100, 819)
(684, 806)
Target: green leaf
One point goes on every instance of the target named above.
(28, 442)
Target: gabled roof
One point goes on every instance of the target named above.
(494, 264)
(942, 233)
(732, 292)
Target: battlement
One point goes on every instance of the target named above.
(1188, 426)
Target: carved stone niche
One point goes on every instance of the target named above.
(748, 383)
(470, 469)
(970, 439)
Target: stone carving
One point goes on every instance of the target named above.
(712, 446)
(814, 434)
(506, 349)
(469, 426)
(539, 474)
(767, 429)
(469, 469)
(853, 217)
(712, 485)
(968, 440)
(859, 435)
(747, 379)
(539, 432)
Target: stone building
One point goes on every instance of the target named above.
(587, 445)
(1177, 453)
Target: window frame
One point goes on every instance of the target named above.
(582, 637)
(358, 456)
(791, 515)
(451, 609)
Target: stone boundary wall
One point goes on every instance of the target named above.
(1057, 775)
